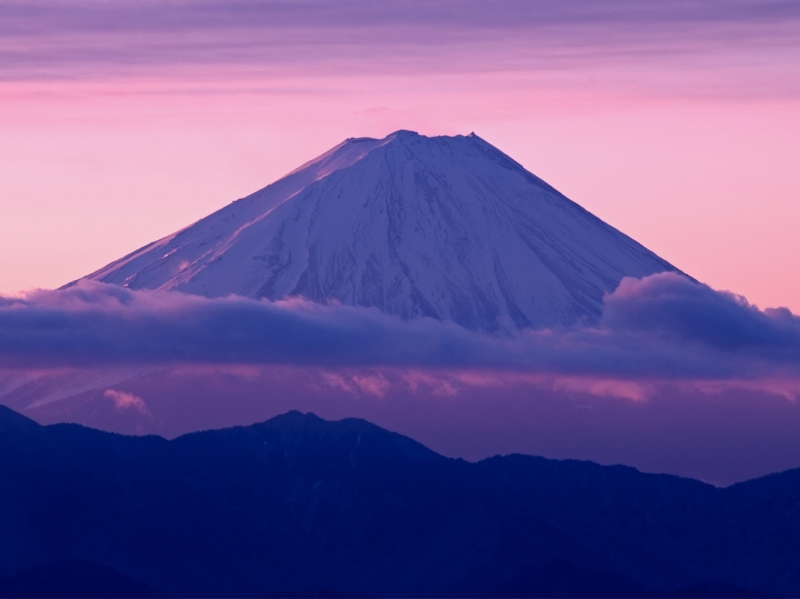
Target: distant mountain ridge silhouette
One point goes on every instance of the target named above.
(298, 506)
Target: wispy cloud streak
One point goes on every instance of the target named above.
(79, 39)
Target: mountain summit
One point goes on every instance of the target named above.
(445, 227)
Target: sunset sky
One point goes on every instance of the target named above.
(676, 122)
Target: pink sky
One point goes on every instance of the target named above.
(678, 124)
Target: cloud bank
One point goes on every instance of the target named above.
(663, 327)
(674, 377)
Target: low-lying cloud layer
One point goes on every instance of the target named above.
(662, 327)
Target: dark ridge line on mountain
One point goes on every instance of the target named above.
(297, 419)
(299, 504)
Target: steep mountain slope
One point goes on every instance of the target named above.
(445, 227)
(297, 506)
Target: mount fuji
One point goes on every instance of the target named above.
(444, 227)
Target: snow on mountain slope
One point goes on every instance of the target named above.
(446, 227)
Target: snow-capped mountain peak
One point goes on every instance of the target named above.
(445, 227)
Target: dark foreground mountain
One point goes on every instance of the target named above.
(74, 578)
(297, 506)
